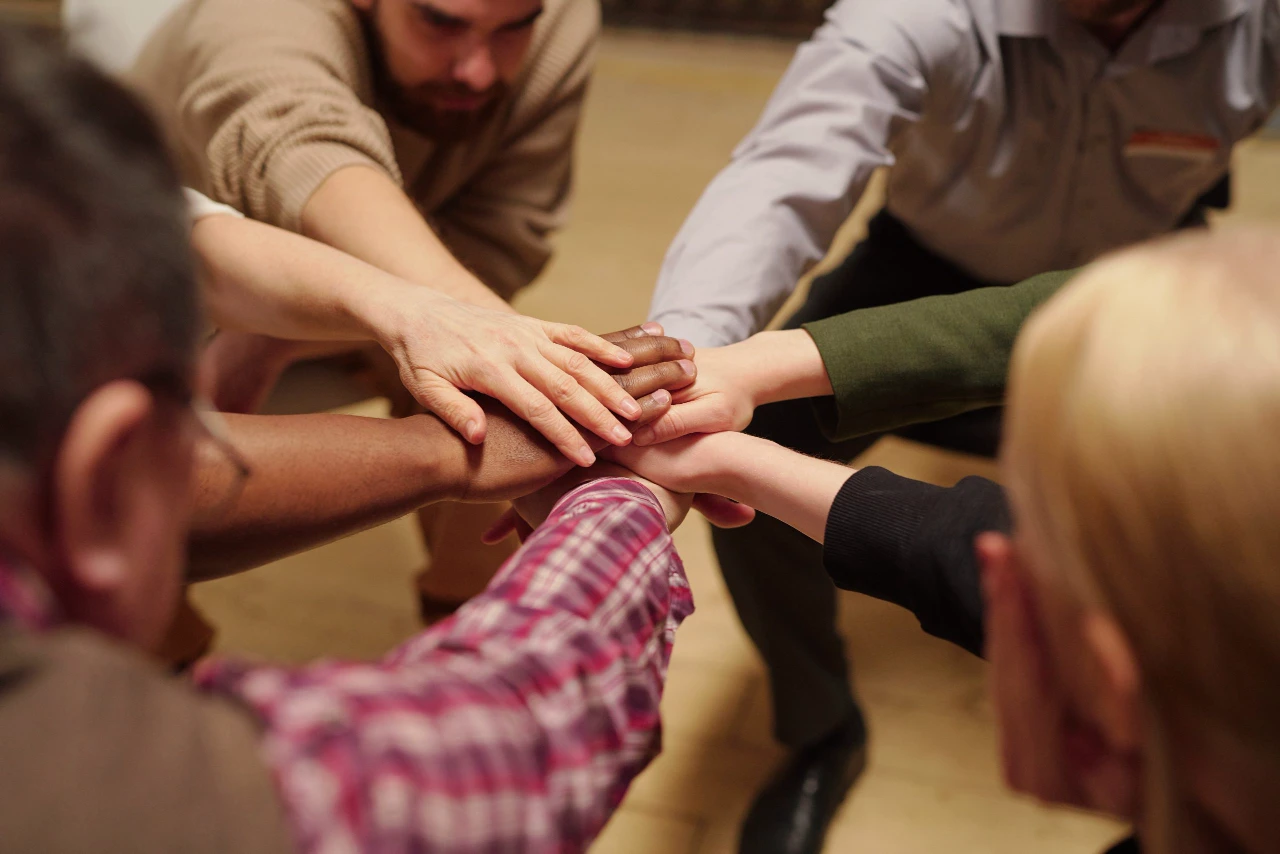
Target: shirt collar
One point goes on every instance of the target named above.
(1045, 18)
(24, 597)
(1172, 30)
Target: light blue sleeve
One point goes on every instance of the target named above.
(774, 210)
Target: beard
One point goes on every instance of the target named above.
(415, 107)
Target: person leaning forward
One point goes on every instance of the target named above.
(431, 139)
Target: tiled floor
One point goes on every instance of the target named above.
(663, 115)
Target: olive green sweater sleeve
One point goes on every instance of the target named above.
(922, 360)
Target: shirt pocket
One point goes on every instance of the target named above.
(1170, 170)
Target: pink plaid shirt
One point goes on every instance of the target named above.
(516, 725)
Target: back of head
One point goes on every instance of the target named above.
(1144, 436)
(96, 278)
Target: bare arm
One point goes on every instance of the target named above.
(787, 485)
(363, 212)
(315, 478)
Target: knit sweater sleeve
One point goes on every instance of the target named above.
(922, 360)
(272, 98)
(911, 543)
(500, 224)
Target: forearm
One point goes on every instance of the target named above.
(782, 365)
(550, 681)
(782, 483)
(316, 478)
(362, 212)
(269, 281)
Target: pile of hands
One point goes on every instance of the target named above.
(584, 394)
(673, 398)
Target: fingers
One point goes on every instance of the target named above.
(672, 376)
(704, 415)
(654, 406)
(640, 331)
(534, 406)
(723, 512)
(597, 383)
(578, 402)
(592, 346)
(454, 408)
(652, 349)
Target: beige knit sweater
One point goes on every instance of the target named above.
(264, 99)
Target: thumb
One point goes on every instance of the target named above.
(723, 512)
(453, 407)
(681, 420)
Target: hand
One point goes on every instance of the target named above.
(689, 464)
(734, 380)
(721, 398)
(515, 460)
(443, 347)
(533, 509)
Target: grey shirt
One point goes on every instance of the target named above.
(1016, 143)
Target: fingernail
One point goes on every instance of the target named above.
(470, 429)
(586, 458)
(620, 434)
(686, 347)
(652, 328)
(644, 437)
(631, 409)
(662, 397)
(687, 367)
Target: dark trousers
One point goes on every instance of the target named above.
(784, 598)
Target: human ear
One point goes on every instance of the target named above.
(92, 479)
(1120, 683)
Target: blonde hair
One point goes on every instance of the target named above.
(1143, 437)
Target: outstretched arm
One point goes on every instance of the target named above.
(263, 280)
(897, 539)
(869, 370)
(315, 478)
(516, 725)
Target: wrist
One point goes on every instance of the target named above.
(722, 459)
(783, 365)
(436, 458)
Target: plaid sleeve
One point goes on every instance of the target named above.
(516, 725)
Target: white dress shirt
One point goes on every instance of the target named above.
(1016, 144)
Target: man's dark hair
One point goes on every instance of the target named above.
(96, 277)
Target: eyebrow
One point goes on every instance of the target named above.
(447, 19)
(526, 21)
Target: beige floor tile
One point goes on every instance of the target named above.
(698, 778)
(634, 831)
(705, 702)
(713, 637)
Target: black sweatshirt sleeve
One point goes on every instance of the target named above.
(911, 543)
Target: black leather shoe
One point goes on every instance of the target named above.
(791, 814)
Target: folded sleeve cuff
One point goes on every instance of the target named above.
(870, 531)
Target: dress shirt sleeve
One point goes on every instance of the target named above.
(911, 543)
(868, 73)
(501, 223)
(922, 360)
(516, 725)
